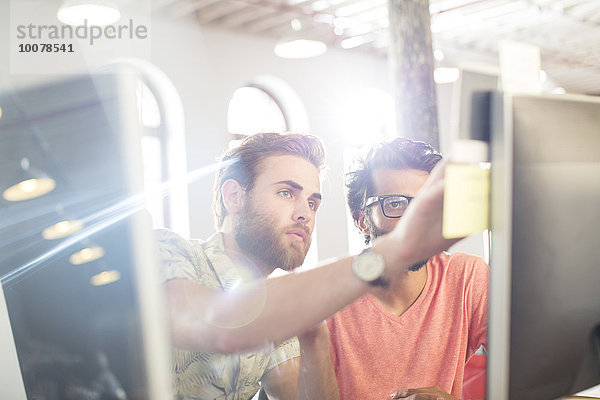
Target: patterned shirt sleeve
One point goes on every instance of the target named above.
(286, 351)
(176, 256)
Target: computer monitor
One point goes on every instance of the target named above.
(543, 339)
(83, 324)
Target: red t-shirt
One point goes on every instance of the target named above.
(376, 353)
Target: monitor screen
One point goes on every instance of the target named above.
(545, 213)
(77, 265)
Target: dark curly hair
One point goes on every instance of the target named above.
(400, 153)
(240, 163)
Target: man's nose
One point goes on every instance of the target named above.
(302, 212)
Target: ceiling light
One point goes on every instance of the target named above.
(298, 46)
(86, 255)
(543, 75)
(105, 277)
(351, 42)
(320, 5)
(438, 54)
(62, 229)
(446, 74)
(32, 183)
(97, 13)
(323, 18)
(296, 24)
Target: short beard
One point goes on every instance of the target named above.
(259, 240)
(376, 232)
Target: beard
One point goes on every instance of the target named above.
(268, 246)
(377, 232)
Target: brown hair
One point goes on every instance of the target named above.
(240, 163)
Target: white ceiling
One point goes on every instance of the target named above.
(467, 31)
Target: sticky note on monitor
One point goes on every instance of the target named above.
(466, 200)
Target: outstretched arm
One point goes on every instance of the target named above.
(275, 309)
(271, 310)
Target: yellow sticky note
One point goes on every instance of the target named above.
(466, 200)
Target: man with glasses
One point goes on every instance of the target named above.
(410, 336)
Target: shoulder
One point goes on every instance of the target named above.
(468, 260)
(179, 258)
(461, 266)
(170, 241)
(461, 261)
(166, 237)
(172, 246)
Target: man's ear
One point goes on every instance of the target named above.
(233, 196)
(361, 223)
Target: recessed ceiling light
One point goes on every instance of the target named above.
(62, 229)
(86, 255)
(446, 74)
(300, 48)
(97, 13)
(29, 189)
(296, 24)
(297, 45)
(319, 5)
(31, 183)
(354, 41)
(105, 277)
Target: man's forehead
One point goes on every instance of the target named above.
(281, 168)
(390, 179)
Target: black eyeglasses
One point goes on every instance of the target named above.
(392, 205)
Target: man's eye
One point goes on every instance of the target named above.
(313, 205)
(394, 204)
(285, 193)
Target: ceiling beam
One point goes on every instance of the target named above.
(246, 16)
(218, 10)
(187, 7)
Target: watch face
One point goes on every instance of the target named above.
(369, 266)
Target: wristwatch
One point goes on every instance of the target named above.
(369, 266)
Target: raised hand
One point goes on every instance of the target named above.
(428, 393)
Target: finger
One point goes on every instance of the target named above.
(439, 170)
(399, 394)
